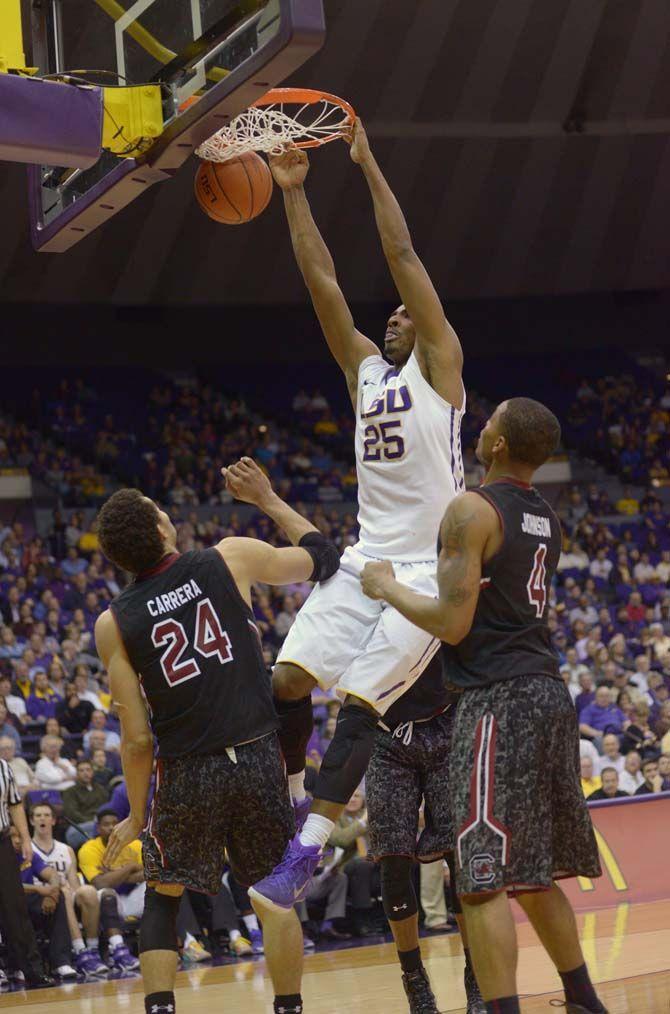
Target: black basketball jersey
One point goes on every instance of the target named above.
(509, 636)
(427, 697)
(193, 642)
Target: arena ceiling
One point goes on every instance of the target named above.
(528, 141)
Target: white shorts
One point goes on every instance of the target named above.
(361, 646)
(131, 905)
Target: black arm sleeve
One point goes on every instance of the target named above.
(324, 555)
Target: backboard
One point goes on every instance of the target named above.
(211, 59)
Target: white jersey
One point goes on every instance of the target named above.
(58, 858)
(408, 460)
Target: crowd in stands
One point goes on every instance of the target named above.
(609, 619)
(610, 623)
(625, 423)
(175, 449)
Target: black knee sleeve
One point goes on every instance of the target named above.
(109, 912)
(398, 894)
(240, 895)
(346, 759)
(296, 726)
(454, 900)
(158, 929)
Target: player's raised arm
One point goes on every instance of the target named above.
(347, 344)
(136, 737)
(313, 557)
(437, 346)
(466, 528)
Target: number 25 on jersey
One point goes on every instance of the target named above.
(382, 440)
(210, 639)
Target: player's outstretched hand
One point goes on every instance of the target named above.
(123, 833)
(247, 482)
(290, 168)
(375, 579)
(360, 146)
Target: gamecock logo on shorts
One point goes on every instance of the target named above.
(482, 869)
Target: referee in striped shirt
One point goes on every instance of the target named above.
(17, 929)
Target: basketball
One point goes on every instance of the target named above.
(236, 191)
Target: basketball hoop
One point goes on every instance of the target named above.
(283, 116)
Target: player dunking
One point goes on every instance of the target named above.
(182, 636)
(408, 459)
(520, 815)
(409, 765)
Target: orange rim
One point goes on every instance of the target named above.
(307, 97)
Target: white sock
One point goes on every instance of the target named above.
(93, 943)
(296, 786)
(234, 935)
(251, 922)
(116, 941)
(188, 939)
(78, 945)
(317, 830)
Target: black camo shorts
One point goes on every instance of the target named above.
(405, 770)
(519, 811)
(207, 806)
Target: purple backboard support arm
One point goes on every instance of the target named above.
(301, 34)
(45, 122)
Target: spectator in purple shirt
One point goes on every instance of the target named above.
(119, 799)
(73, 563)
(43, 701)
(96, 741)
(7, 727)
(587, 694)
(601, 716)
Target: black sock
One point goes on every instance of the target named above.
(503, 1005)
(291, 1003)
(410, 961)
(159, 1003)
(579, 988)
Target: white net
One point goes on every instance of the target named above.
(271, 128)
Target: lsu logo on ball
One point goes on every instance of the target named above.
(482, 869)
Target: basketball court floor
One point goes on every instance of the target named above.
(627, 949)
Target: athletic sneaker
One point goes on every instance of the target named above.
(308, 944)
(65, 973)
(89, 963)
(419, 994)
(241, 947)
(476, 1004)
(301, 811)
(194, 951)
(289, 881)
(256, 941)
(121, 958)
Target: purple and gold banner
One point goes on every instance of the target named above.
(634, 842)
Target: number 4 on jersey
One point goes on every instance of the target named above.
(210, 639)
(537, 586)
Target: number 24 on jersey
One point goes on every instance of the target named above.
(210, 640)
